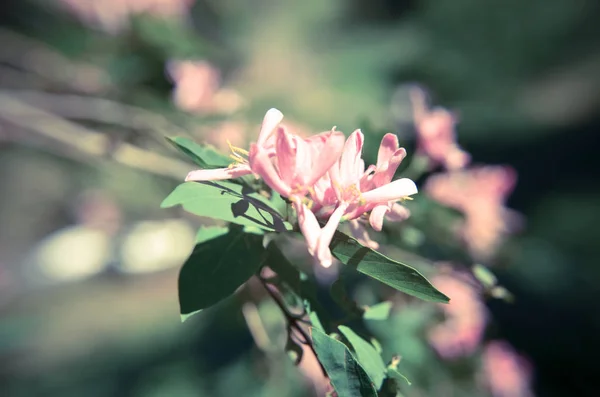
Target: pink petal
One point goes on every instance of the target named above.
(218, 174)
(261, 164)
(323, 252)
(377, 215)
(308, 225)
(272, 118)
(398, 213)
(386, 173)
(359, 232)
(326, 157)
(286, 155)
(350, 157)
(391, 192)
(388, 147)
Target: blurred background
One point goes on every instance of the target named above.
(89, 262)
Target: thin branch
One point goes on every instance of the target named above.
(87, 141)
(82, 107)
(291, 320)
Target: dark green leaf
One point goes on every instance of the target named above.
(204, 156)
(348, 378)
(228, 202)
(367, 356)
(217, 267)
(380, 311)
(372, 263)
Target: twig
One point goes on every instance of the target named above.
(86, 141)
(37, 58)
(291, 320)
(98, 109)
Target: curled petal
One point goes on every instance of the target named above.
(388, 147)
(377, 215)
(323, 253)
(391, 192)
(218, 174)
(385, 174)
(272, 118)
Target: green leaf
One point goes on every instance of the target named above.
(217, 267)
(204, 156)
(374, 264)
(367, 356)
(347, 376)
(226, 201)
(394, 374)
(380, 311)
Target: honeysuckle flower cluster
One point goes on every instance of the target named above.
(436, 133)
(506, 373)
(325, 179)
(465, 315)
(480, 193)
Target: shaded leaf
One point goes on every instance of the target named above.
(340, 296)
(217, 267)
(347, 376)
(367, 356)
(204, 156)
(374, 264)
(226, 201)
(380, 311)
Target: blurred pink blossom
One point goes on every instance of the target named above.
(436, 133)
(226, 133)
(465, 317)
(113, 16)
(198, 88)
(506, 373)
(480, 194)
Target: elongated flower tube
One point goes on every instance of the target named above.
(241, 165)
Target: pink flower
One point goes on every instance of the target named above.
(241, 166)
(480, 194)
(506, 373)
(465, 317)
(298, 163)
(198, 88)
(356, 191)
(436, 134)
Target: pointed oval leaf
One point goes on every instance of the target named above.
(347, 376)
(378, 266)
(204, 156)
(367, 356)
(226, 201)
(217, 267)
